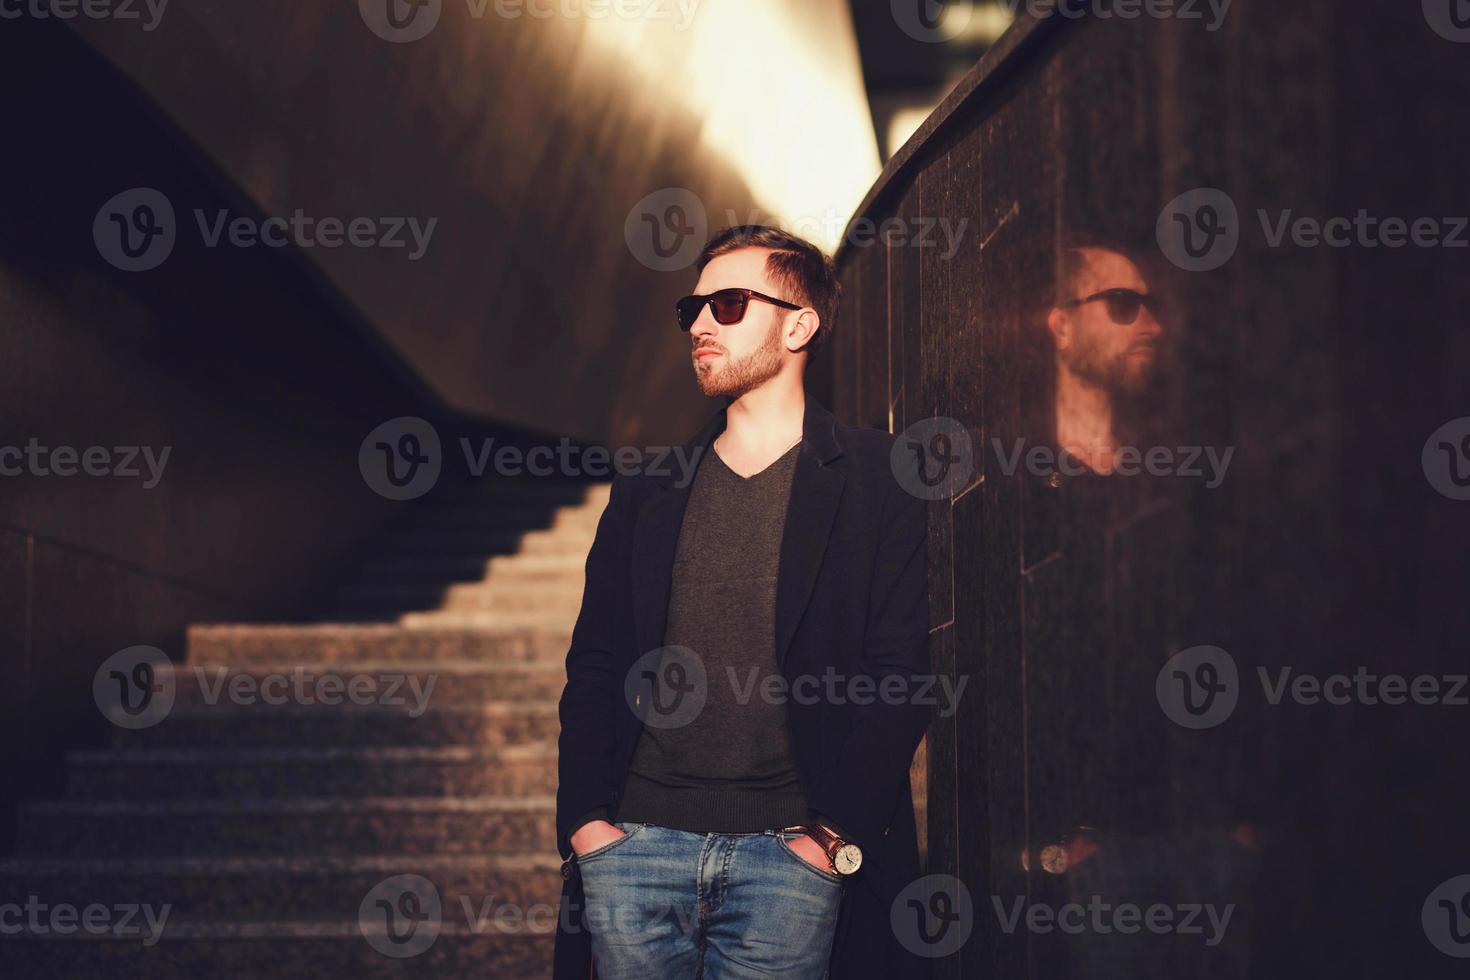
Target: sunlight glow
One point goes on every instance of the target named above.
(779, 89)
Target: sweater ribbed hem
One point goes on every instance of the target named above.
(711, 810)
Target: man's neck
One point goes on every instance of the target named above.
(762, 424)
(1085, 421)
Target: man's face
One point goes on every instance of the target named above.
(1117, 357)
(731, 359)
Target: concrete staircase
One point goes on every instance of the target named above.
(407, 829)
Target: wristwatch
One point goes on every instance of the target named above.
(845, 856)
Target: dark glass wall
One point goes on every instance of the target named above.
(1199, 474)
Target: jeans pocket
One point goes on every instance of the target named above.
(823, 873)
(628, 829)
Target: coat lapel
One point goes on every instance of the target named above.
(816, 489)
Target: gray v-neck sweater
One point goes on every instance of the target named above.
(729, 769)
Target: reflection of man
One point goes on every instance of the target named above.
(1104, 324)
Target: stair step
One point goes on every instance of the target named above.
(517, 517)
(299, 889)
(562, 542)
(508, 596)
(351, 643)
(407, 684)
(458, 771)
(282, 951)
(470, 619)
(566, 599)
(255, 827)
(453, 543)
(490, 725)
(552, 569)
(435, 619)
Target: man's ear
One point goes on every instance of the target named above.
(1060, 326)
(802, 328)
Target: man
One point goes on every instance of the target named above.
(1106, 332)
(742, 705)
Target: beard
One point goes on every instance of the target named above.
(734, 378)
(1117, 374)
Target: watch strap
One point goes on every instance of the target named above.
(829, 842)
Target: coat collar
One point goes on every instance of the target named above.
(818, 436)
(816, 488)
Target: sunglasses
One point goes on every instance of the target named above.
(1123, 304)
(727, 305)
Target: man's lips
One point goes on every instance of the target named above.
(705, 353)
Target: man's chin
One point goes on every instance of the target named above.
(1136, 370)
(1137, 382)
(709, 384)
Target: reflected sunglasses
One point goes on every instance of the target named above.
(727, 305)
(1123, 304)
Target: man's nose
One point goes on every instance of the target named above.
(1147, 325)
(704, 325)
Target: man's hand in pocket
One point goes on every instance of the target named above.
(811, 852)
(594, 834)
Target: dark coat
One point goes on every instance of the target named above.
(851, 595)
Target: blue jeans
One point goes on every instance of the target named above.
(670, 904)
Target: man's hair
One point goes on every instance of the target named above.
(1071, 261)
(797, 266)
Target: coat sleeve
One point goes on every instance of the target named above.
(585, 748)
(859, 793)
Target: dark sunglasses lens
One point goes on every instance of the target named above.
(688, 310)
(1123, 307)
(729, 307)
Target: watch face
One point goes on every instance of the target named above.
(848, 859)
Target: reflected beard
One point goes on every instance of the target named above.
(1118, 374)
(735, 378)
